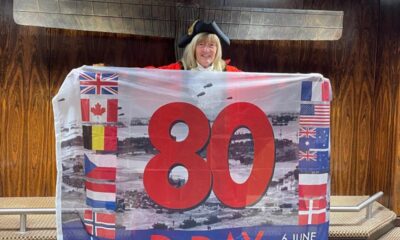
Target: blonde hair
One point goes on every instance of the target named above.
(189, 54)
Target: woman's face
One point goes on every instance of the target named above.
(205, 52)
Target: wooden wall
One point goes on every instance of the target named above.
(364, 68)
(385, 153)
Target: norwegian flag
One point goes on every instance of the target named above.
(312, 198)
(98, 83)
(99, 110)
(101, 225)
(314, 115)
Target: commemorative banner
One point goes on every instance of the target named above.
(169, 155)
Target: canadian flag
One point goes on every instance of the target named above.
(99, 110)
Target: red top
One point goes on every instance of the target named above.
(178, 66)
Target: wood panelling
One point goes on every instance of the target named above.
(363, 66)
(350, 68)
(349, 64)
(395, 194)
(3, 161)
(33, 63)
(25, 110)
(385, 158)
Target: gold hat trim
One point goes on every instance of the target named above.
(191, 28)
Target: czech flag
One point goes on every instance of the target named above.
(100, 166)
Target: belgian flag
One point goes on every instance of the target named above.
(100, 138)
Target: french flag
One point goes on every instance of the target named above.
(318, 91)
(101, 195)
(98, 224)
(100, 166)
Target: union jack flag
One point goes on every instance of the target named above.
(307, 156)
(98, 83)
(307, 132)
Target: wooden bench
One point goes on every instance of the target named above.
(27, 218)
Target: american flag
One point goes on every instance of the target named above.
(98, 83)
(314, 115)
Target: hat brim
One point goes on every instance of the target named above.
(185, 40)
(207, 28)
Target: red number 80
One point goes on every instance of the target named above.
(202, 175)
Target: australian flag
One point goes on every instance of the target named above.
(313, 149)
(314, 161)
(313, 138)
(98, 83)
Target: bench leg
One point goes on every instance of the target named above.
(22, 223)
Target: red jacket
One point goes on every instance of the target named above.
(178, 66)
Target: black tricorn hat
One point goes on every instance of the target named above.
(200, 26)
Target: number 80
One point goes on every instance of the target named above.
(214, 172)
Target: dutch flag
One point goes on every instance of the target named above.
(101, 195)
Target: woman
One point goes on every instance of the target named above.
(203, 50)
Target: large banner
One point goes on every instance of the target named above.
(168, 155)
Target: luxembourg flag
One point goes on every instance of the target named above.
(101, 195)
(100, 166)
